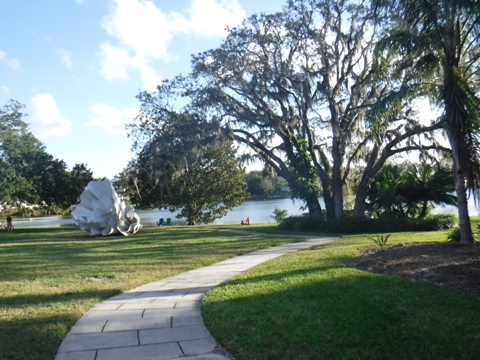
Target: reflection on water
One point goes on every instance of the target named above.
(259, 211)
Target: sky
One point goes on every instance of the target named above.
(78, 65)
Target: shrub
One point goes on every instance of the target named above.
(351, 225)
(279, 214)
(454, 235)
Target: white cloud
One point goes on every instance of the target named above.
(209, 18)
(115, 62)
(150, 78)
(141, 34)
(12, 63)
(80, 2)
(142, 27)
(5, 90)
(66, 58)
(45, 117)
(111, 119)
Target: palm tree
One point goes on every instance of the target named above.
(441, 39)
(408, 190)
(426, 186)
(385, 195)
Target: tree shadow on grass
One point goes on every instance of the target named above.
(36, 339)
(39, 338)
(341, 314)
(20, 301)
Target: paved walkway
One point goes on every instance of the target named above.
(161, 320)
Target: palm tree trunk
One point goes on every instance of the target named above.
(424, 209)
(459, 152)
(466, 236)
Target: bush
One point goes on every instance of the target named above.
(351, 225)
(279, 214)
(454, 235)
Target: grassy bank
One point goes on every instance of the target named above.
(309, 305)
(51, 276)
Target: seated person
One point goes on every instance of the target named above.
(246, 222)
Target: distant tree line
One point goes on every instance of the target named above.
(264, 184)
(31, 178)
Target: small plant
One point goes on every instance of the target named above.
(454, 235)
(279, 214)
(381, 240)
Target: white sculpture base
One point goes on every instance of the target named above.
(102, 212)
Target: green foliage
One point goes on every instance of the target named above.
(264, 184)
(279, 214)
(254, 181)
(305, 174)
(381, 240)
(437, 42)
(350, 225)
(28, 174)
(209, 187)
(409, 190)
(204, 187)
(455, 237)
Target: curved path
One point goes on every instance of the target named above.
(161, 320)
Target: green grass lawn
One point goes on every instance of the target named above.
(309, 305)
(305, 305)
(46, 275)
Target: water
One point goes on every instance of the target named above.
(259, 211)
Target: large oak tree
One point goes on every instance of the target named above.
(296, 87)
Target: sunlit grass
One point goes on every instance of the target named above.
(304, 305)
(47, 275)
(309, 305)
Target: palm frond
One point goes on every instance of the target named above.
(463, 127)
(388, 108)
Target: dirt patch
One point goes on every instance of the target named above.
(451, 266)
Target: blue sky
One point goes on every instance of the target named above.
(77, 65)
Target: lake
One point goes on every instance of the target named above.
(259, 211)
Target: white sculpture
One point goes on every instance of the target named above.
(101, 211)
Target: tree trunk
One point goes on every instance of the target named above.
(314, 208)
(424, 209)
(328, 200)
(456, 142)
(371, 168)
(338, 198)
(466, 236)
(360, 205)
